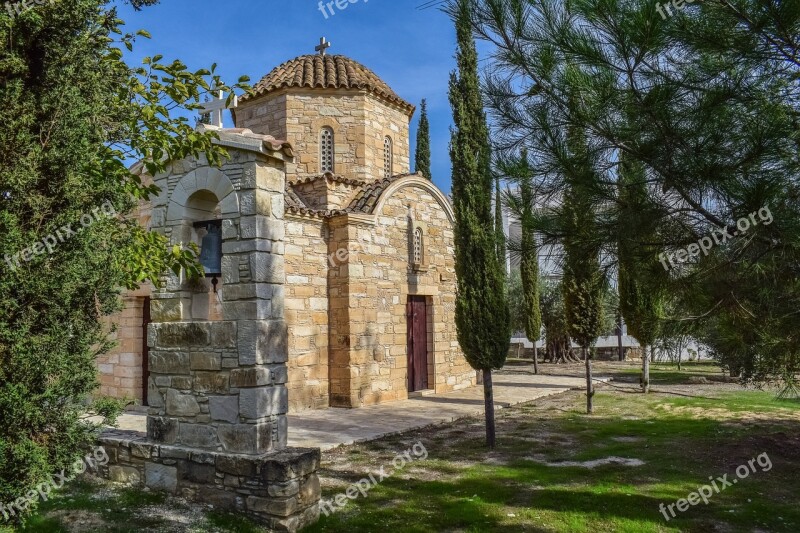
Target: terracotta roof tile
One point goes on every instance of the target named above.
(363, 202)
(326, 72)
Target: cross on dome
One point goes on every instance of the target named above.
(323, 46)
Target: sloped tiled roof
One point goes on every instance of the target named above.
(363, 202)
(326, 72)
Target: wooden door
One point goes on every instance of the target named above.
(145, 349)
(416, 312)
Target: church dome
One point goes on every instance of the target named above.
(327, 72)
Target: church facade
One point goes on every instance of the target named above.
(352, 251)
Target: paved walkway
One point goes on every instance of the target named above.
(329, 428)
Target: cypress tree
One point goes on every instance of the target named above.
(583, 282)
(529, 267)
(422, 163)
(482, 315)
(640, 298)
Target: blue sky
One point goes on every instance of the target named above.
(411, 49)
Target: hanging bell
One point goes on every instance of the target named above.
(211, 251)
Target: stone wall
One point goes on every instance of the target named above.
(306, 303)
(359, 120)
(369, 291)
(386, 121)
(281, 490)
(217, 422)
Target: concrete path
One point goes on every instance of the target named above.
(329, 428)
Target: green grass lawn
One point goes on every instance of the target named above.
(521, 486)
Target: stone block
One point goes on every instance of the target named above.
(163, 430)
(262, 402)
(267, 267)
(290, 463)
(282, 507)
(179, 404)
(181, 382)
(224, 408)
(263, 342)
(250, 245)
(198, 435)
(197, 473)
(124, 474)
(213, 382)
(259, 376)
(161, 477)
(166, 310)
(248, 291)
(169, 363)
(230, 230)
(182, 334)
(170, 452)
(310, 490)
(223, 334)
(253, 309)
(154, 397)
(284, 489)
(261, 227)
(141, 449)
(205, 361)
(236, 465)
(246, 438)
(230, 268)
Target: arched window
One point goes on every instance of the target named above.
(388, 162)
(418, 252)
(326, 150)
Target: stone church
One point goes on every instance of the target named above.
(320, 225)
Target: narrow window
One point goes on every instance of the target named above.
(418, 251)
(326, 150)
(388, 163)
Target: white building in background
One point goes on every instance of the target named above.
(550, 269)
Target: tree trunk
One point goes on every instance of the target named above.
(619, 337)
(646, 370)
(488, 402)
(589, 384)
(535, 358)
(680, 356)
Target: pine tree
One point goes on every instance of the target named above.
(422, 162)
(709, 108)
(482, 315)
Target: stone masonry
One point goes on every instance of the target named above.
(217, 389)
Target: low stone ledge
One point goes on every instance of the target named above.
(279, 489)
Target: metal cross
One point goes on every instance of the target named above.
(323, 46)
(216, 106)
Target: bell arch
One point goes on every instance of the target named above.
(208, 179)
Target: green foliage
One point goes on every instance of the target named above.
(516, 301)
(641, 276)
(705, 104)
(482, 316)
(73, 113)
(583, 281)
(554, 319)
(422, 156)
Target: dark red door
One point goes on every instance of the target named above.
(145, 349)
(417, 343)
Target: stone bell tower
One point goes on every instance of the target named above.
(217, 424)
